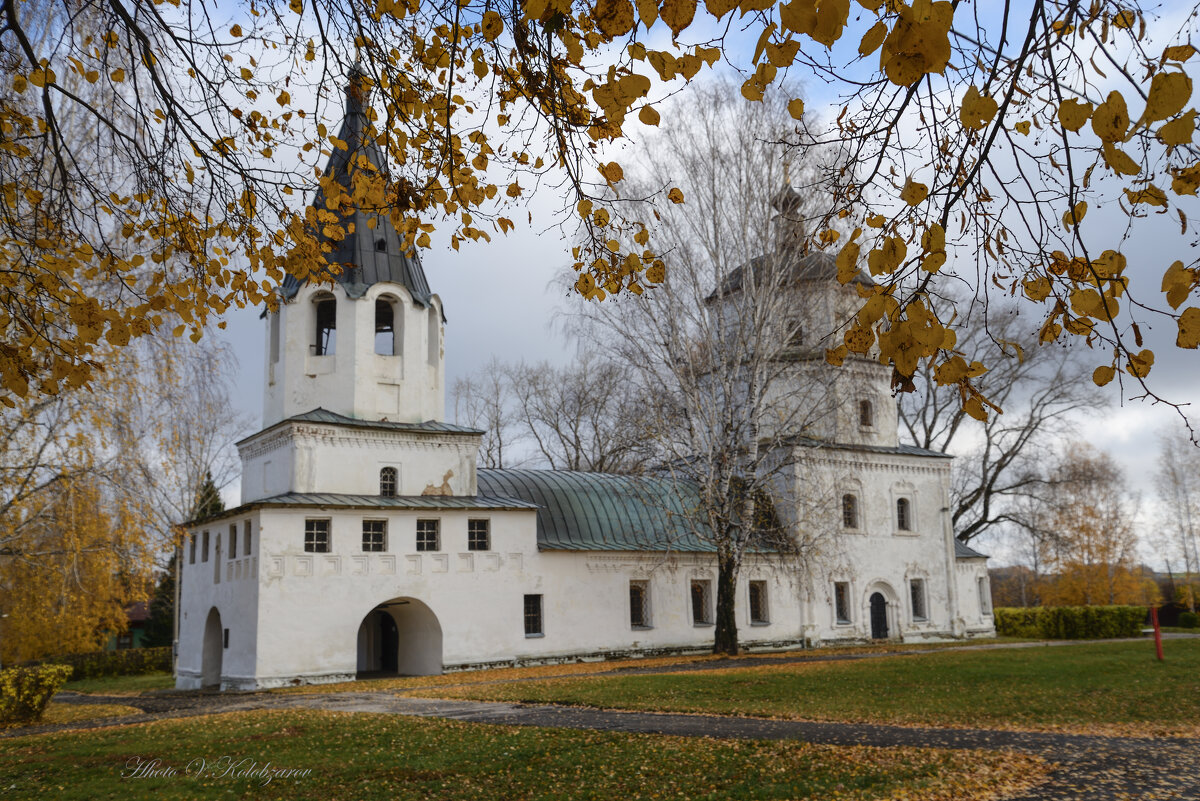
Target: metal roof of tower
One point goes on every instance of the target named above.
(371, 251)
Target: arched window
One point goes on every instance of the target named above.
(326, 333)
(903, 514)
(849, 511)
(385, 327)
(274, 346)
(435, 345)
(387, 482)
(866, 417)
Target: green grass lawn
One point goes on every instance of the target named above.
(122, 684)
(1078, 686)
(366, 756)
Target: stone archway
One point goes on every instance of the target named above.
(213, 651)
(400, 636)
(882, 605)
(879, 616)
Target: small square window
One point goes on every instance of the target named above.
(639, 604)
(192, 552)
(701, 592)
(479, 535)
(233, 541)
(758, 603)
(841, 601)
(316, 536)
(204, 547)
(374, 536)
(533, 616)
(916, 588)
(429, 535)
(246, 537)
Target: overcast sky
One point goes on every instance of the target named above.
(499, 303)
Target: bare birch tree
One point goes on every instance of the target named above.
(731, 346)
(484, 400)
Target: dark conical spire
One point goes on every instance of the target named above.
(372, 250)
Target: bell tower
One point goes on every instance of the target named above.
(369, 345)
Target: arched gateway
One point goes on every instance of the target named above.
(400, 636)
(213, 650)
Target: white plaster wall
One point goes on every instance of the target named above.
(312, 604)
(406, 386)
(979, 623)
(878, 555)
(235, 597)
(314, 457)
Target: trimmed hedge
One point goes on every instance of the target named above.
(1189, 620)
(127, 662)
(25, 691)
(1070, 622)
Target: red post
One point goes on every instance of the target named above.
(1157, 632)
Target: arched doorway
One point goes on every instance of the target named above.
(879, 617)
(400, 636)
(213, 651)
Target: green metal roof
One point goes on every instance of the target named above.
(603, 512)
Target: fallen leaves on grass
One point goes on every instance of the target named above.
(376, 756)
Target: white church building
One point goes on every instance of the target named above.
(367, 540)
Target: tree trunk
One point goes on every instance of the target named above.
(725, 640)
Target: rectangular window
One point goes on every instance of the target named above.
(916, 588)
(316, 536)
(192, 554)
(702, 603)
(225, 639)
(533, 616)
(985, 596)
(233, 541)
(758, 603)
(204, 547)
(374, 535)
(841, 601)
(479, 535)
(246, 537)
(639, 604)
(429, 535)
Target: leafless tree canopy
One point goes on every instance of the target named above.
(1001, 460)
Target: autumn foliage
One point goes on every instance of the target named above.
(153, 167)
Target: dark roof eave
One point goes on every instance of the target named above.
(332, 419)
(325, 500)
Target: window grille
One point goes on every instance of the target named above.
(429, 535)
(374, 536)
(533, 615)
(316, 536)
(479, 535)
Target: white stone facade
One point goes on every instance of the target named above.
(364, 544)
(277, 610)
